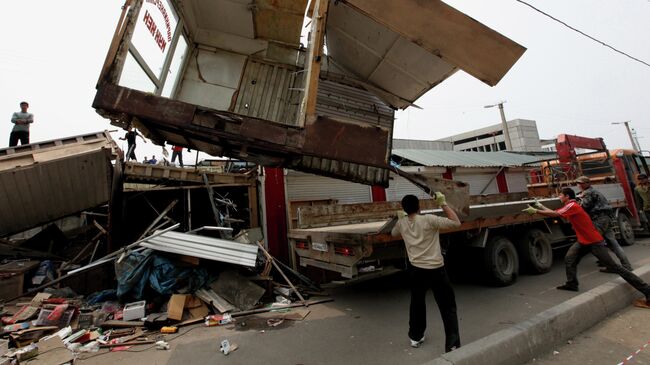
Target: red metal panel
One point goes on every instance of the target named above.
(621, 176)
(502, 183)
(447, 174)
(276, 213)
(378, 193)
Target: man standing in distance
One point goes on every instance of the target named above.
(589, 240)
(642, 195)
(130, 142)
(426, 270)
(21, 121)
(601, 213)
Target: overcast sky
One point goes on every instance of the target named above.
(52, 52)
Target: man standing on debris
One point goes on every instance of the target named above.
(601, 213)
(589, 240)
(642, 195)
(426, 270)
(129, 137)
(21, 121)
(177, 151)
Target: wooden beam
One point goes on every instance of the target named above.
(313, 62)
(447, 33)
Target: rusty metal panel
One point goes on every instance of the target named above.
(268, 91)
(343, 170)
(348, 103)
(42, 192)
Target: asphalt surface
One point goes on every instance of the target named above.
(367, 323)
(623, 338)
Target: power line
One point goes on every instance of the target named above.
(583, 33)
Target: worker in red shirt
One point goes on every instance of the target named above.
(589, 240)
(177, 151)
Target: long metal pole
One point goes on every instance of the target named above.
(504, 125)
(629, 133)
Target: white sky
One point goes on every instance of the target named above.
(52, 51)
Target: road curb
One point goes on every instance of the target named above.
(540, 334)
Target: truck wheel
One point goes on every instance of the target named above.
(535, 251)
(626, 230)
(501, 261)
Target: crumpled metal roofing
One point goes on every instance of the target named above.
(465, 158)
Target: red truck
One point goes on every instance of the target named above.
(353, 240)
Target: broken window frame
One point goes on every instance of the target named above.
(159, 82)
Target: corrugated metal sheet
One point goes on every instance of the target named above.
(268, 91)
(39, 193)
(301, 186)
(465, 159)
(204, 247)
(348, 103)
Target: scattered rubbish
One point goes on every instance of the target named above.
(134, 310)
(274, 322)
(162, 345)
(169, 329)
(227, 347)
(218, 320)
(556, 352)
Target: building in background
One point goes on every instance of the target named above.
(523, 136)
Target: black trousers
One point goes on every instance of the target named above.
(578, 251)
(131, 152)
(603, 224)
(437, 280)
(178, 154)
(22, 136)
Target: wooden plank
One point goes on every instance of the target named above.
(313, 62)
(447, 33)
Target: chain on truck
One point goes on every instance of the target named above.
(353, 241)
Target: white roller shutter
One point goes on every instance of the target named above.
(478, 181)
(301, 186)
(399, 186)
(517, 181)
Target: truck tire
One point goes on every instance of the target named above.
(626, 236)
(501, 261)
(535, 251)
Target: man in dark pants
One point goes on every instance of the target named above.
(589, 240)
(422, 240)
(130, 142)
(601, 213)
(21, 121)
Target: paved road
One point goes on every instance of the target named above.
(367, 323)
(623, 338)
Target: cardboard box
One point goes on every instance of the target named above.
(175, 307)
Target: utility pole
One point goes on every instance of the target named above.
(504, 124)
(629, 134)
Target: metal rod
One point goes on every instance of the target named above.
(277, 267)
(160, 216)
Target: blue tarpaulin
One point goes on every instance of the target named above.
(141, 270)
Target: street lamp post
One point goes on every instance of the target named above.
(629, 134)
(504, 124)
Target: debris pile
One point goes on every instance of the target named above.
(165, 282)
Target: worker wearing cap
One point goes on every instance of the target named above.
(589, 240)
(421, 235)
(642, 195)
(601, 213)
